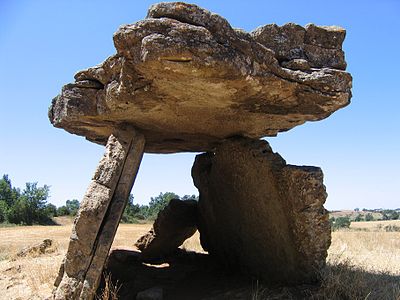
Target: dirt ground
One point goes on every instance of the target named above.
(365, 249)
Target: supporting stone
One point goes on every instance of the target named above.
(174, 224)
(99, 215)
(259, 215)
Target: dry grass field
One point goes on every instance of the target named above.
(363, 262)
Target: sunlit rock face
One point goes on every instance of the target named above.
(187, 80)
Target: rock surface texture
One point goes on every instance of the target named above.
(46, 246)
(174, 224)
(260, 215)
(186, 79)
(99, 215)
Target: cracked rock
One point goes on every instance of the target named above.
(186, 79)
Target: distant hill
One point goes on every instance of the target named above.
(377, 214)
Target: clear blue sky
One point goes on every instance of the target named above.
(43, 43)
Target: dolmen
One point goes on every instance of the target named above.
(184, 80)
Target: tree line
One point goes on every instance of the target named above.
(135, 213)
(29, 206)
(367, 216)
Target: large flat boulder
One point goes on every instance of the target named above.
(259, 215)
(186, 79)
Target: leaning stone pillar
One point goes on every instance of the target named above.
(99, 215)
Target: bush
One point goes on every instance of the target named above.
(392, 228)
(62, 211)
(394, 216)
(158, 203)
(51, 210)
(341, 222)
(369, 217)
(26, 207)
(69, 209)
(72, 206)
(3, 211)
(29, 208)
(135, 213)
(8, 194)
(359, 218)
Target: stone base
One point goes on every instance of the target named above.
(259, 215)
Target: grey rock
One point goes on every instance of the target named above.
(174, 224)
(330, 37)
(186, 79)
(297, 64)
(259, 215)
(154, 293)
(320, 45)
(44, 247)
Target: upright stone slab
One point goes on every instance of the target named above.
(99, 215)
(259, 215)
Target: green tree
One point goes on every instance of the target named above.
(130, 211)
(50, 210)
(341, 222)
(29, 208)
(72, 206)
(63, 211)
(133, 213)
(394, 215)
(190, 197)
(359, 218)
(158, 203)
(17, 213)
(369, 217)
(3, 211)
(7, 192)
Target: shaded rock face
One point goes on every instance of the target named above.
(184, 276)
(320, 46)
(154, 293)
(174, 224)
(186, 79)
(260, 215)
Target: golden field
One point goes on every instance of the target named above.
(363, 261)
